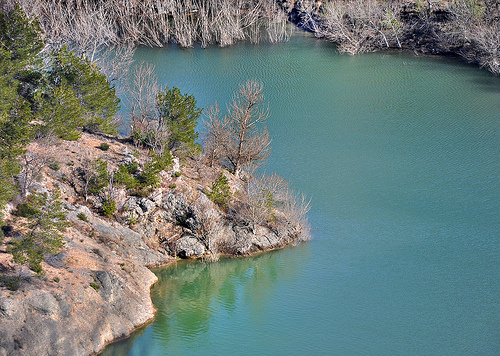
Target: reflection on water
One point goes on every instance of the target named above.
(190, 293)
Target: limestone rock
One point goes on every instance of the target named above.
(146, 205)
(189, 246)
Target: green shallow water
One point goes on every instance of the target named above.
(400, 156)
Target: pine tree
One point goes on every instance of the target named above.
(44, 223)
(179, 114)
(97, 96)
(61, 113)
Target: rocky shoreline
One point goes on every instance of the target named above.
(97, 289)
(453, 28)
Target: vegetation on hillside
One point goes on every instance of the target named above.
(44, 96)
(49, 95)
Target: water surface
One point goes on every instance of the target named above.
(400, 155)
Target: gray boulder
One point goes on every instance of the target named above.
(189, 247)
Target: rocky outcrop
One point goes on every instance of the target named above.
(96, 289)
(92, 294)
(189, 246)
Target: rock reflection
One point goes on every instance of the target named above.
(189, 294)
(195, 300)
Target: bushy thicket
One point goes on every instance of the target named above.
(469, 28)
(142, 180)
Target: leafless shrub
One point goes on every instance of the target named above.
(32, 163)
(271, 202)
(86, 172)
(237, 138)
(33, 160)
(359, 26)
(115, 61)
(86, 24)
(214, 136)
(209, 225)
(479, 32)
(142, 89)
(146, 126)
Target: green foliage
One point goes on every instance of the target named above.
(27, 210)
(176, 174)
(43, 94)
(100, 179)
(20, 43)
(70, 94)
(43, 227)
(61, 112)
(54, 165)
(8, 189)
(95, 285)
(96, 95)
(123, 176)
(108, 207)
(268, 203)
(21, 35)
(220, 192)
(12, 283)
(161, 162)
(179, 114)
(142, 183)
(132, 167)
(15, 130)
(149, 177)
(82, 217)
(131, 220)
(172, 186)
(104, 146)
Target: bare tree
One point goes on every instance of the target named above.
(115, 61)
(238, 137)
(142, 89)
(215, 135)
(209, 224)
(32, 163)
(359, 26)
(145, 123)
(86, 172)
(478, 32)
(87, 24)
(271, 202)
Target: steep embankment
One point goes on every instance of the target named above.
(97, 288)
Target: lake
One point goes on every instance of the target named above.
(400, 156)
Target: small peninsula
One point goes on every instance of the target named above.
(90, 200)
(85, 211)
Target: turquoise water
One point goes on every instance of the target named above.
(400, 155)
